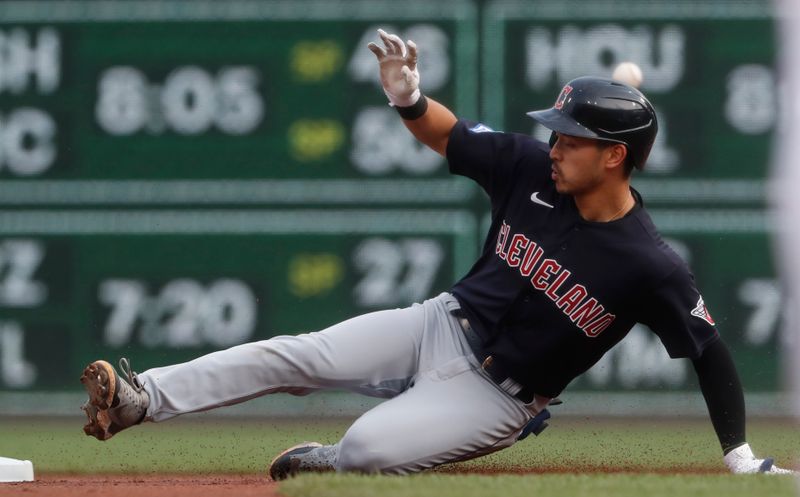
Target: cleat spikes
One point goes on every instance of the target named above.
(113, 403)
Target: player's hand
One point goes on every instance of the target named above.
(398, 65)
(742, 461)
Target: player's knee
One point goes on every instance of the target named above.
(362, 453)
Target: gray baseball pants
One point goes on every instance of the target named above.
(442, 408)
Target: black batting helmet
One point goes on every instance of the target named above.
(606, 110)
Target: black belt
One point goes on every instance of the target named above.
(495, 371)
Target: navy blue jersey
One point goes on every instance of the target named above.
(551, 292)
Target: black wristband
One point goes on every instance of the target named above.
(414, 111)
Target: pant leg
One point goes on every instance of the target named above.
(452, 411)
(450, 414)
(376, 354)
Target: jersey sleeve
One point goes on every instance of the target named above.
(490, 157)
(675, 311)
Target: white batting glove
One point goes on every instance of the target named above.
(742, 461)
(398, 65)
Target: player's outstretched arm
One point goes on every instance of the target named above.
(429, 121)
(722, 391)
(433, 127)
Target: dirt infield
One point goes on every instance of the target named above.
(143, 485)
(251, 485)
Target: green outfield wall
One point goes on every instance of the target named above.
(178, 177)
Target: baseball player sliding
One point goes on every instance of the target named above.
(572, 261)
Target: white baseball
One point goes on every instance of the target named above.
(628, 73)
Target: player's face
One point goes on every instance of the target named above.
(578, 164)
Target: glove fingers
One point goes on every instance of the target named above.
(397, 43)
(378, 51)
(387, 42)
(412, 55)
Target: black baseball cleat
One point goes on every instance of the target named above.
(307, 457)
(113, 403)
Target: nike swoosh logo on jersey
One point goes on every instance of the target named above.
(536, 200)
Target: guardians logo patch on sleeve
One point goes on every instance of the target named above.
(700, 311)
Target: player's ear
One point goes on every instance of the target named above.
(615, 155)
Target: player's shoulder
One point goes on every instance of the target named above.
(527, 145)
(497, 160)
(654, 255)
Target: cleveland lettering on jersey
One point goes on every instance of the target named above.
(549, 276)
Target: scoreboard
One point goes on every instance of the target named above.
(709, 70)
(177, 177)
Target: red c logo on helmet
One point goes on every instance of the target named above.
(562, 97)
